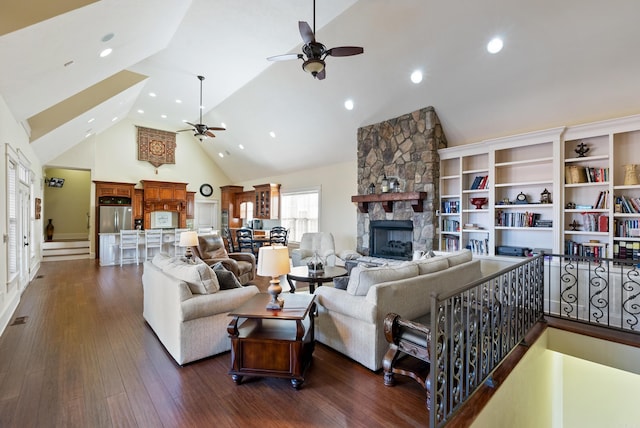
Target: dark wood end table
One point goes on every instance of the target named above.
(301, 273)
(272, 343)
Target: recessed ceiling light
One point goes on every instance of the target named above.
(241, 146)
(220, 154)
(91, 120)
(184, 120)
(87, 135)
(272, 134)
(140, 111)
(416, 76)
(224, 125)
(106, 52)
(179, 101)
(114, 119)
(164, 116)
(348, 104)
(107, 37)
(495, 45)
(152, 94)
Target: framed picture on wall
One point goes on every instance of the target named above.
(38, 208)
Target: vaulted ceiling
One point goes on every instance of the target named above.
(563, 63)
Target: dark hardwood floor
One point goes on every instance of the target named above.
(84, 357)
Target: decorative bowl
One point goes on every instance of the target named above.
(478, 202)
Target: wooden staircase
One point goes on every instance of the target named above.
(66, 250)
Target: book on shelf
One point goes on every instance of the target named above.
(602, 202)
(476, 182)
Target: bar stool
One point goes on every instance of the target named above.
(176, 241)
(152, 239)
(129, 242)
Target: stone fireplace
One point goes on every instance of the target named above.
(404, 148)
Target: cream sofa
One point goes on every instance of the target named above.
(351, 321)
(186, 308)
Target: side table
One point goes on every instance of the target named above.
(272, 343)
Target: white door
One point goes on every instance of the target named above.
(206, 215)
(24, 235)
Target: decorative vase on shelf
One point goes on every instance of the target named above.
(478, 202)
(50, 229)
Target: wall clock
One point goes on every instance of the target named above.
(206, 190)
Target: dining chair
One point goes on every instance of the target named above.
(245, 242)
(228, 237)
(152, 239)
(278, 235)
(129, 244)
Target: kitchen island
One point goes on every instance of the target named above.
(110, 247)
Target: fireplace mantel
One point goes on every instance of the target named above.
(387, 199)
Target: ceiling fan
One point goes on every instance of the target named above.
(313, 52)
(200, 130)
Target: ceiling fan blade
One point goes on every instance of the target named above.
(306, 32)
(345, 51)
(216, 128)
(182, 130)
(210, 134)
(322, 74)
(284, 57)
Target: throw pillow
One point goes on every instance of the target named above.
(435, 264)
(341, 282)
(459, 257)
(162, 259)
(200, 278)
(361, 278)
(226, 278)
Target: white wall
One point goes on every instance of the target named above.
(338, 183)
(12, 134)
(113, 156)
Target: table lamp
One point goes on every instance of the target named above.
(273, 261)
(188, 239)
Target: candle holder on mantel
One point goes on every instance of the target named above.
(478, 202)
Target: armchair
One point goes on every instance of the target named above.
(211, 250)
(310, 243)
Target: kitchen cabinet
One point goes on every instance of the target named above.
(191, 205)
(138, 204)
(165, 196)
(110, 188)
(229, 206)
(267, 201)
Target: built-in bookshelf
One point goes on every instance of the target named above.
(567, 190)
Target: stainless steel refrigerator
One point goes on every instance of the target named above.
(113, 219)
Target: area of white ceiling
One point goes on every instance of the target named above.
(563, 63)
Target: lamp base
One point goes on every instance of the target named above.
(275, 289)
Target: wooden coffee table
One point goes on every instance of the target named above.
(272, 343)
(301, 273)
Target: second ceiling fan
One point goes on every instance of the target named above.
(200, 130)
(313, 52)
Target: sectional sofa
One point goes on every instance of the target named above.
(351, 320)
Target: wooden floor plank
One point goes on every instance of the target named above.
(86, 357)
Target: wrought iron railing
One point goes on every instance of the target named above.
(600, 291)
(473, 331)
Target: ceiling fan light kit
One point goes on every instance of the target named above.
(313, 52)
(200, 130)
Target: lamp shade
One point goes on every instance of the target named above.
(273, 260)
(189, 239)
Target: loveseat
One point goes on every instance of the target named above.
(186, 307)
(351, 320)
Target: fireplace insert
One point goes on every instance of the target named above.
(391, 239)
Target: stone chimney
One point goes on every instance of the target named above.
(405, 148)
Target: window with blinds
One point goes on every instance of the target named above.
(299, 212)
